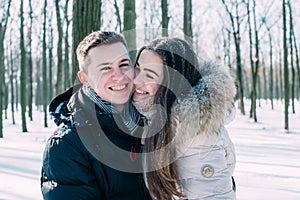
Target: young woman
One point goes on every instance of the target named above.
(189, 152)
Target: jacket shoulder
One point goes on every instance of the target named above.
(65, 156)
(207, 104)
(204, 109)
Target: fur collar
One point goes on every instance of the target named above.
(204, 108)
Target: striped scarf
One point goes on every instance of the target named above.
(131, 120)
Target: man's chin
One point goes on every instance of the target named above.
(120, 100)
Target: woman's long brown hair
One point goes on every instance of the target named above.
(180, 66)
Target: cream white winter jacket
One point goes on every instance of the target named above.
(206, 155)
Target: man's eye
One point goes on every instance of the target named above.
(105, 68)
(124, 65)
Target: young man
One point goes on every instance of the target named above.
(93, 154)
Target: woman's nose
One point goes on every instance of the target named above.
(137, 80)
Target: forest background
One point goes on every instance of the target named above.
(257, 40)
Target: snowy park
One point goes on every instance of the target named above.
(268, 157)
(42, 49)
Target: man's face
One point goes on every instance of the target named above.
(110, 73)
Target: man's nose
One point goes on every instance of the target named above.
(117, 73)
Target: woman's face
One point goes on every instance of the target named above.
(149, 75)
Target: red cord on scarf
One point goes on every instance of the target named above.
(132, 155)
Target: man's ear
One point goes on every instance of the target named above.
(83, 78)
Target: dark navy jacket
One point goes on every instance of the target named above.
(82, 159)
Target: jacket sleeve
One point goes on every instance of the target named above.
(229, 150)
(66, 171)
(203, 170)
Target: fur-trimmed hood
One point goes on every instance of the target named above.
(204, 109)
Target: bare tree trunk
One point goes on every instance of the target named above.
(3, 25)
(297, 64)
(265, 91)
(50, 61)
(246, 84)
(280, 75)
(228, 50)
(147, 17)
(2, 35)
(23, 71)
(225, 48)
(66, 67)
(286, 70)
(257, 61)
(30, 94)
(150, 12)
(86, 19)
(237, 42)
(253, 91)
(44, 67)
(129, 26)
(271, 82)
(165, 17)
(5, 74)
(277, 82)
(292, 57)
(11, 80)
(187, 20)
(118, 15)
(59, 73)
(259, 87)
(38, 74)
(217, 47)
(17, 87)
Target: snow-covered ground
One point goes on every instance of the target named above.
(268, 157)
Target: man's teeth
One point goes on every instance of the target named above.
(140, 91)
(120, 87)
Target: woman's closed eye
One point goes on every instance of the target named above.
(150, 77)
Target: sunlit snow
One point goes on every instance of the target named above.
(268, 157)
